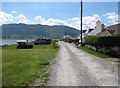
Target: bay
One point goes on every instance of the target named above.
(9, 41)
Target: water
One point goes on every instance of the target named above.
(9, 41)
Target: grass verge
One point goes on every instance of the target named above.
(20, 67)
(98, 54)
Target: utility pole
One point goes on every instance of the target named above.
(81, 21)
(65, 32)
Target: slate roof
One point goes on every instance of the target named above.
(112, 30)
(104, 33)
(90, 30)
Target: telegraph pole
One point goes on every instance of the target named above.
(81, 22)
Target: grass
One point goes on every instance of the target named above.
(0, 67)
(20, 67)
(101, 55)
(98, 54)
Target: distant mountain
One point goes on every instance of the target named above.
(30, 31)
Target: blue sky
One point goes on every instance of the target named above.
(46, 10)
(59, 13)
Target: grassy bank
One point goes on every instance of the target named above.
(98, 54)
(22, 66)
(103, 56)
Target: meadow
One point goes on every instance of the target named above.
(21, 67)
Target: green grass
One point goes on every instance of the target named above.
(20, 67)
(98, 54)
(0, 67)
(102, 56)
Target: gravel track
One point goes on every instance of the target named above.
(75, 67)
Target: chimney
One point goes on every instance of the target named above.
(102, 27)
(98, 24)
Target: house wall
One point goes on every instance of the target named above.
(97, 29)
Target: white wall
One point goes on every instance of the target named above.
(97, 29)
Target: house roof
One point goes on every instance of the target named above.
(84, 31)
(104, 33)
(90, 30)
(114, 29)
(110, 31)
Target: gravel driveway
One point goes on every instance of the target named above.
(75, 67)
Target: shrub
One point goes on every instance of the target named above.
(106, 41)
(92, 40)
(55, 45)
(110, 41)
(104, 44)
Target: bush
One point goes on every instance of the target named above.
(106, 41)
(104, 44)
(92, 40)
(110, 41)
(55, 45)
(115, 54)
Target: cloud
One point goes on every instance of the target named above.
(112, 17)
(22, 19)
(13, 12)
(75, 19)
(50, 21)
(88, 21)
(39, 19)
(5, 18)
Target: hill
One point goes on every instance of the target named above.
(29, 31)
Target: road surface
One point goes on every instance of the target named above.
(75, 67)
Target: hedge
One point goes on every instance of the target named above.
(104, 44)
(106, 41)
(92, 40)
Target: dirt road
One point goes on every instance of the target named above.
(75, 67)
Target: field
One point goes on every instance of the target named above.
(21, 67)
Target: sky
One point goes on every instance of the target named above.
(59, 13)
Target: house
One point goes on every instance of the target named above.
(92, 32)
(91, 29)
(113, 30)
(101, 31)
(67, 38)
(99, 27)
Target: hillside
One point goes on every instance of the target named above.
(30, 31)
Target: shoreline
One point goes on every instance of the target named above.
(4, 42)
